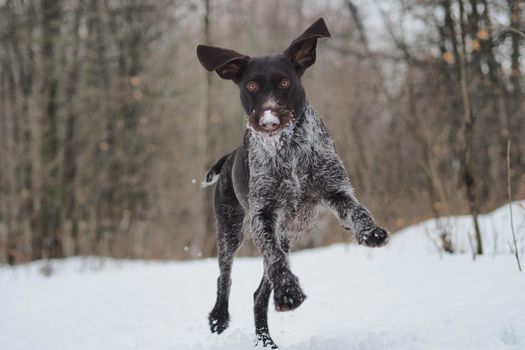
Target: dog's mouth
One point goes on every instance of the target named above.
(271, 122)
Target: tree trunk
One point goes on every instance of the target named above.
(515, 102)
(51, 190)
(209, 242)
(468, 135)
(69, 210)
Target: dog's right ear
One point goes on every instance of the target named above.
(227, 63)
(301, 51)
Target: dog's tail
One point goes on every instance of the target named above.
(213, 174)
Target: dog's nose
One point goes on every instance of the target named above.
(269, 121)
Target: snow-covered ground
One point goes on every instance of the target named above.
(495, 229)
(398, 297)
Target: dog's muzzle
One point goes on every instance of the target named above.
(271, 121)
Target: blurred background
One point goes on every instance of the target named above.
(108, 122)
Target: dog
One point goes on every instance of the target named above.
(276, 181)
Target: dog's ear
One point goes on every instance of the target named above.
(227, 63)
(301, 51)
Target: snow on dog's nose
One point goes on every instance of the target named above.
(269, 121)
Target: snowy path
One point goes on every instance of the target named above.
(357, 299)
(398, 297)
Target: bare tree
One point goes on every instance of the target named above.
(468, 135)
(514, 241)
(211, 142)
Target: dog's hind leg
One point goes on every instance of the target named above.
(230, 218)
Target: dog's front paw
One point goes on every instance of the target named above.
(219, 320)
(287, 293)
(376, 237)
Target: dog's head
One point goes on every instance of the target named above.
(270, 86)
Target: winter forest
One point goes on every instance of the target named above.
(108, 122)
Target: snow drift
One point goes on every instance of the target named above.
(495, 230)
(399, 297)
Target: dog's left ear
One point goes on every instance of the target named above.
(301, 51)
(228, 64)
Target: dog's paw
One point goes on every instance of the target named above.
(263, 338)
(287, 294)
(219, 321)
(377, 237)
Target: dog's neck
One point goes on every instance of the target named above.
(308, 129)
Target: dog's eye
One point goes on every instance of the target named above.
(285, 84)
(252, 86)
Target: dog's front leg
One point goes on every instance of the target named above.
(287, 292)
(354, 216)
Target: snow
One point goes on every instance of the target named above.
(398, 297)
(495, 229)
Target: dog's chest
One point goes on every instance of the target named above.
(296, 197)
(286, 182)
(298, 202)
(291, 182)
